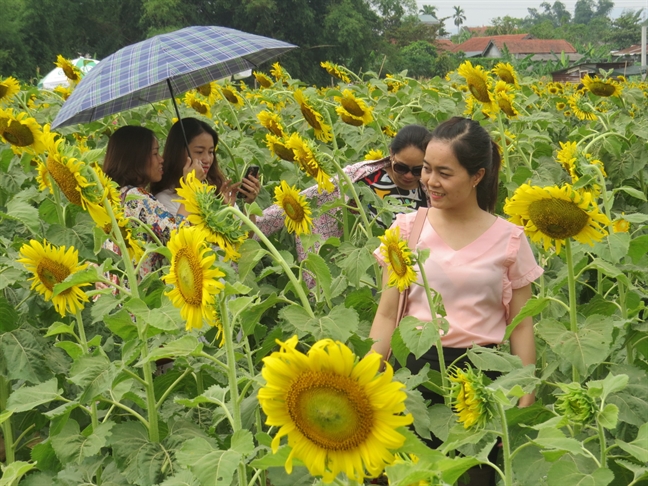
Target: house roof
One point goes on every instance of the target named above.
(515, 43)
(628, 51)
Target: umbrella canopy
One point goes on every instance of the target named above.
(145, 72)
(56, 77)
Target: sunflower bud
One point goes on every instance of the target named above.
(575, 404)
(471, 399)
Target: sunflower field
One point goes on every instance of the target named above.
(240, 363)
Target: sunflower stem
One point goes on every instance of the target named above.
(506, 448)
(599, 136)
(571, 281)
(221, 143)
(507, 162)
(84, 345)
(432, 302)
(232, 378)
(277, 256)
(7, 431)
(57, 200)
(602, 443)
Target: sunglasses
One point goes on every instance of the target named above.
(404, 169)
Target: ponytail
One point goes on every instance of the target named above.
(489, 186)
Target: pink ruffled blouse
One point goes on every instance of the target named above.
(475, 282)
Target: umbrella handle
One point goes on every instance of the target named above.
(175, 105)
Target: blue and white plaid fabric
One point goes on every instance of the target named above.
(137, 74)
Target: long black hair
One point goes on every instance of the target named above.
(128, 154)
(410, 136)
(474, 149)
(175, 155)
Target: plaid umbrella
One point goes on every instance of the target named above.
(152, 70)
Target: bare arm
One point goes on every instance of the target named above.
(385, 320)
(523, 338)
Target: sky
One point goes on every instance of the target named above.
(480, 12)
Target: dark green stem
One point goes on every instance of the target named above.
(571, 282)
(7, 431)
(506, 448)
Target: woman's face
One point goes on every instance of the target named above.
(154, 168)
(201, 148)
(448, 183)
(403, 163)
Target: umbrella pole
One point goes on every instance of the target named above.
(175, 105)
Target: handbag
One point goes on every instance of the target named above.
(414, 236)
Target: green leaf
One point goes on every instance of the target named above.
(211, 466)
(521, 377)
(103, 306)
(74, 350)
(608, 269)
(25, 213)
(638, 248)
(398, 348)
(273, 460)
(214, 394)
(338, 325)
(94, 374)
(567, 472)
(609, 417)
(638, 448)
(555, 440)
(416, 406)
(187, 345)
(8, 316)
(12, 473)
(140, 460)
(72, 446)
(533, 307)
(182, 478)
(242, 442)
(356, 264)
(530, 467)
(251, 252)
(22, 357)
(418, 341)
(121, 323)
(610, 384)
(441, 420)
(614, 247)
(250, 317)
(165, 318)
(491, 359)
(587, 347)
(321, 271)
(89, 275)
(631, 191)
(638, 471)
(60, 328)
(28, 397)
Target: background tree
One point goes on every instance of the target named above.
(504, 26)
(459, 16)
(428, 9)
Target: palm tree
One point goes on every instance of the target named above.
(459, 17)
(429, 10)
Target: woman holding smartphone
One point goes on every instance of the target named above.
(202, 140)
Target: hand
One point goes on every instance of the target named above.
(193, 165)
(229, 190)
(250, 188)
(526, 400)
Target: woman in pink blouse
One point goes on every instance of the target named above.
(480, 264)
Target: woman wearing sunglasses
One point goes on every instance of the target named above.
(398, 175)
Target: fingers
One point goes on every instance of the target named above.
(250, 187)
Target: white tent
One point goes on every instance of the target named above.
(56, 77)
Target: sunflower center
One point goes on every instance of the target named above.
(506, 76)
(293, 209)
(558, 218)
(189, 273)
(311, 117)
(397, 260)
(352, 107)
(479, 90)
(3, 90)
(204, 89)
(65, 180)
(602, 89)
(18, 134)
(199, 107)
(51, 273)
(230, 96)
(330, 410)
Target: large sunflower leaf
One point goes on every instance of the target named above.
(322, 273)
(182, 478)
(72, 446)
(12, 473)
(566, 471)
(29, 397)
(638, 448)
(590, 345)
(210, 465)
(93, 373)
(22, 358)
(418, 336)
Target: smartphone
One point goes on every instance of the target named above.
(252, 170)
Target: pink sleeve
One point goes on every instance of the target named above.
(522, 266)
(405, 223)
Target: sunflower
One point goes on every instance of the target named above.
(506, 73)
(22, 132)
(204, 206)
(477, 81)
(602, 87)
(67, 173)
(278, 147)
(263, 79)
(560, 106)
(398, 257)
(621, 225)
(63, 92)
(200, 106)
(208, 91)
(504, 98)
(313, 118)
(9, 87)
(567, 156)
(374, 154)
(555, 214)
(272, 122)
(353, 111)
(393, 85)
(72, 72)
(336, 71)
(295, 208)
(50, 266)
(339, 414)
(389, 131)
(231, 95)
(471, 398)
(581, 108)
(279, 73)
(306, 158)
(194, 278)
